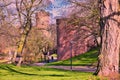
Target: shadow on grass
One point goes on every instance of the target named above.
(8, 68)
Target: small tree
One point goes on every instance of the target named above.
(35, 44)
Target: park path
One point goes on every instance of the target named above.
(74, 68)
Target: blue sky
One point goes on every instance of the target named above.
(56, 6)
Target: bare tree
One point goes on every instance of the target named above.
(25, 10)
(110, 36)
(9, 33)
(86, 14)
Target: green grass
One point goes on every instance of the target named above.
(87, 58)
(11, 72)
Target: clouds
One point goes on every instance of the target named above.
(52, 0)
(56, 7)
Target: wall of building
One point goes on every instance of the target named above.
(43, 22)
(72, 39)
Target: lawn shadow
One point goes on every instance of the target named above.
(10, 69)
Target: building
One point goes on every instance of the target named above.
(72, 39)
(43, 22)
(44, 25)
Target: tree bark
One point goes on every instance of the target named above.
(14, 57)
(21, 47)
(20, 61)
(24, 36)
(109, 53)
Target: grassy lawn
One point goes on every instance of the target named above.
(87, 58)
(11, 72)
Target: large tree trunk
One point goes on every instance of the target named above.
(109, 53)
(21, 47)
(24, 36)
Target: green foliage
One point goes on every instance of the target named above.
(35, 44)
(85, 59)
(34, 41)
(11, 72)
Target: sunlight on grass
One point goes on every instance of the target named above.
(11, 72)
(87, 58)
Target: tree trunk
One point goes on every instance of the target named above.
(21, 47)
(20, 61)
(109, 53)
(14, 57)
(24, 36)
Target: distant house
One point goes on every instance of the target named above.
(43, 22)
(72, 39)
(44, 25)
